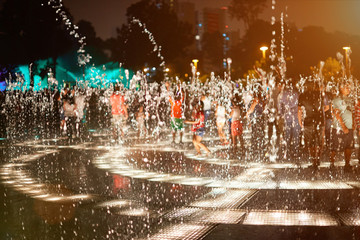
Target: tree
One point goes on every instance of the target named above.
(331, 71)
(248, 51)
(30, 32)
(134, 48)
(213, 46)
(95, 46)
(246, 11)
(87, 29)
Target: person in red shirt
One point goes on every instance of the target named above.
(177, 123)
(198, 128)
(119, 112)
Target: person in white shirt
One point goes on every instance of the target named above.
(220, 114)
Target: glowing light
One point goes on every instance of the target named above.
(135, 212)
(183, 231)
(289, 218)
(156, 48)
(114, 203)
(76, 197)
(195, 61)
(53, 199)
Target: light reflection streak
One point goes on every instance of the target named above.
(117, 163)
(350, 218)
(135, 212)
(244, 181)
(289, 218)
(183, 231)
(114, 203)
(20, 179)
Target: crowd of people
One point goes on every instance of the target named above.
(301, 119)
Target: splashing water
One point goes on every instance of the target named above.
(157, 48)
(143, 183)
(83, 57)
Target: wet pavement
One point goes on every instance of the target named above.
(150, 189)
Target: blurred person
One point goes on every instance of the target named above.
(207, 108)
(80, 102)
(61, 98)
(273, 96)
(237, 115)
(177, 122)
(256, 122)
(119, 113)
(140, 119)
(198, 128)
(288, 110)
(357, 124)
(328, 120)
(311, 119)
(69, 107)
(342, 133)
(220, 114)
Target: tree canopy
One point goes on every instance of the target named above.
(246, 11)
(133, 47)
(31, 30)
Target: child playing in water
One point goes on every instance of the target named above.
(236, 115)
(140, 119)
(119, 112)
(198, 128)
(220, 114)
(176, 113)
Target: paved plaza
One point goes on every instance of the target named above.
(151, 189)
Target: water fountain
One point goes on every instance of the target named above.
(87, 186)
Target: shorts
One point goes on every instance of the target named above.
(220, 120)
(140, 124)
(177, 124)
(62, 115)
(313, 135)
(341, 141)
(207, 114)
(200, 132)
(118, 121)
(236, 128)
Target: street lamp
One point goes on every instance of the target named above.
(263, 49)
(229, 61)
(195, 61)
(347, 49)
(194, 68)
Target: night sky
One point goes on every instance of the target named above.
(333, 15)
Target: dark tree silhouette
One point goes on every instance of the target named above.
(213, 50)
(246, 11)
(304, 48)
(133, 47)
(30, 30)
(248, 51)
(95, 46)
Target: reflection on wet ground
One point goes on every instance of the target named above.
(147, 189)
